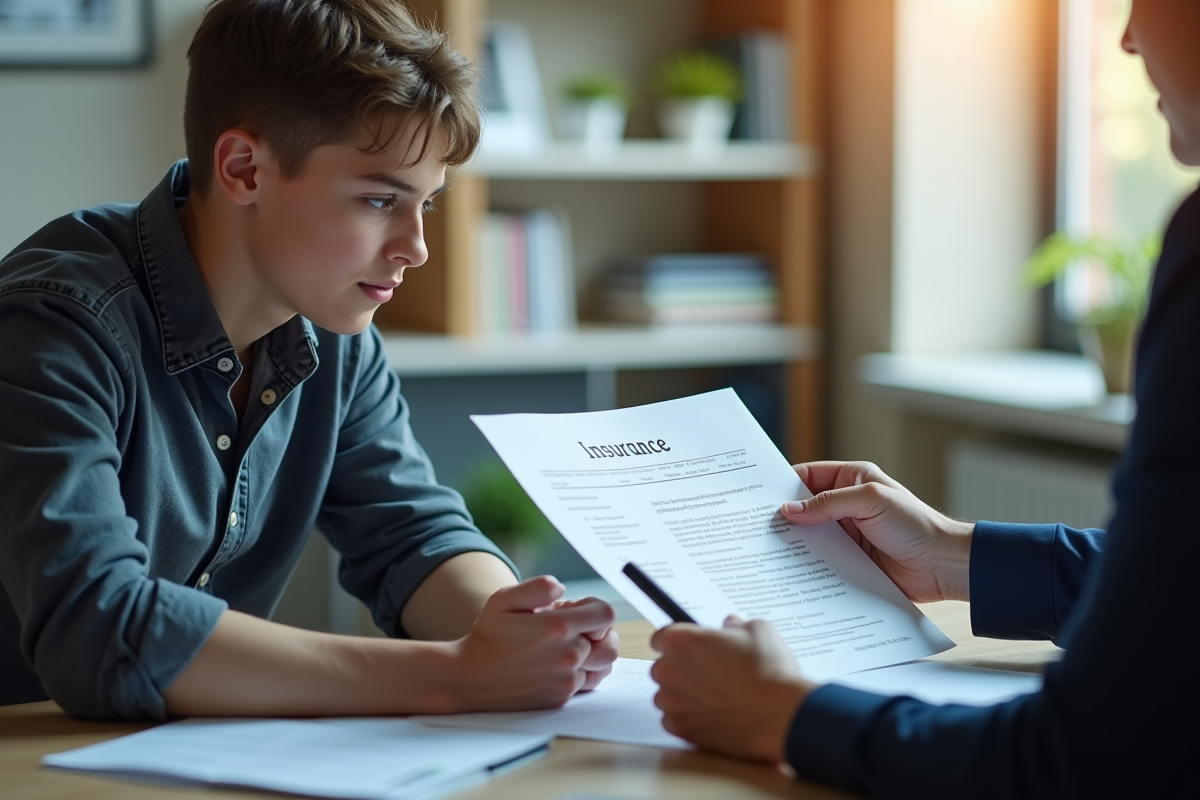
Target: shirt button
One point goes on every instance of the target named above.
(233, 519)
(203, 581)
(224, 442)
(224, 364)
(268, 397)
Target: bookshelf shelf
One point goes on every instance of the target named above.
(654, 160)
(761, 197)
(599, 347)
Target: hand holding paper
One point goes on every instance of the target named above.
(923, 551)
(690, 490)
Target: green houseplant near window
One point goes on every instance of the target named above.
(1106, 332)
(504, 512)
(699, 90)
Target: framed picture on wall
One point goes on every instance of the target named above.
(74, 33)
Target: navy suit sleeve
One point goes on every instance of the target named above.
(1025, 579)
(1103, 723)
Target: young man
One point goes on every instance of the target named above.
(1105, 723)
(168, 439)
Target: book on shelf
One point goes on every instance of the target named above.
(526, 277)
(685, 288)
(763, 60)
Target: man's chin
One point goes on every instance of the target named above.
(1186, 149)
(344, 326)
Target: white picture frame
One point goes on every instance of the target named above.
(514, 118)
(74, 33)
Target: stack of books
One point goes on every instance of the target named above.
(525, 280)
(762, 58)
(690, 288)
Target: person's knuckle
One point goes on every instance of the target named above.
(821, 500)
(557, 628)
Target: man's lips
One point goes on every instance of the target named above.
(379, 293)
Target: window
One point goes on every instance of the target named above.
(1116, 176)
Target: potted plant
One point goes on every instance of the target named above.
(1108, 330)
(699, 91)
(595, 111)
(504, 512)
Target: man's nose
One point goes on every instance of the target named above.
(408, 245)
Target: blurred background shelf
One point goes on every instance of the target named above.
(600, 347)
(652, 159)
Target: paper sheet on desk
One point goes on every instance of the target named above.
(939, 682)
(620, 710)
(365, 759)
(690, 489)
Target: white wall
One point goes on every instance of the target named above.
(78, 137)
(968, 189)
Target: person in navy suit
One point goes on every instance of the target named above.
(1121, 602)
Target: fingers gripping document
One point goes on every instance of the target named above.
(690, 491)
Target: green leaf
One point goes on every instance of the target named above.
(698, 73)
(1129, 267)
(590, 87)
(501, 508)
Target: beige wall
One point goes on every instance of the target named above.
(937, 194)
(967, 173)
(74, 138)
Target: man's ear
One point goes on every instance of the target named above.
(238, 160)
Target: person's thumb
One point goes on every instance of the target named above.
(855, 502)
(532, 594)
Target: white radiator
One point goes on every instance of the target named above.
(1005, 483)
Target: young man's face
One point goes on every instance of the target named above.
(1166, 33)
(333, 242)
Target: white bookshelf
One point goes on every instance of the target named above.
(653, 160)
(599, 348)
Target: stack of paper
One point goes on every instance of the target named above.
(365, 759)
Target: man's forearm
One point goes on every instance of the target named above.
(252, 667)
(447, 603)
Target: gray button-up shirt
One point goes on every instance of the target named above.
(134, 508)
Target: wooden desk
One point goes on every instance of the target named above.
(574, 765)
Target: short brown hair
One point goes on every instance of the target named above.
(305, 73)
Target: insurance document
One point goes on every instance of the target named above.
(690, 491)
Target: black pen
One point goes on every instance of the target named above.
(655, 593)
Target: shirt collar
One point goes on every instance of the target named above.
(188, 326)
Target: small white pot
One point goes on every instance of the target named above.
(703, 122)
(598, 124)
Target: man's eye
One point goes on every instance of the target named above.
(427, 206)
(381, 203)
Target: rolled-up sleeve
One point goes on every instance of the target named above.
(384, 511)
(103, 636)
